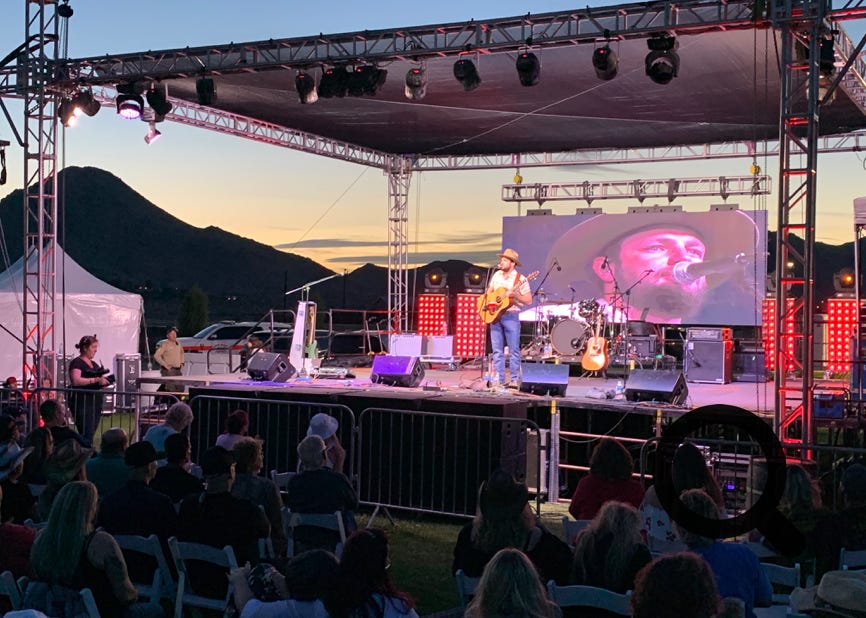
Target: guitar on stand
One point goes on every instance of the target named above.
(492, 303)
(596, 358)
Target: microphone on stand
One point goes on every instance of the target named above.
(689, 272)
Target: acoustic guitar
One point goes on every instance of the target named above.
(595, 358)
(493, 302)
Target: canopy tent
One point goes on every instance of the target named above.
(88, 306)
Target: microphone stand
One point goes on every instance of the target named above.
(625, 297)
(539, 291)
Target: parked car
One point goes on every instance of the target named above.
(225, 335)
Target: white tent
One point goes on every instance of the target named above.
(84, 305)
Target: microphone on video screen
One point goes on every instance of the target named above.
(689, 272)
(604, 263)
(556, 263)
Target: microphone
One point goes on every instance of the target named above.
(556, 263)
(604, 263)
(689, 272)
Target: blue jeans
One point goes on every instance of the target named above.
(506, 331)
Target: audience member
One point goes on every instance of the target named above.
(308, 578)
(735, 567)
(510, 587)
(260, 491)
(364, 586)
(42, 443)
(10, 429)
(174, 479)
(319, 489)
(609, 478)
(53, 414)
(15, 543)
(677, 585)
(505, 519)
(108, 470)
(65, 465)
(18, 504)
(609, 551)
(87, 378)
(217, 518)
(847, 527)
(326, 426)
(177, 418)
(689, 471)
(69, 552)
(236, 426)
(11, 399)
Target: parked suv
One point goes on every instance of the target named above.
(225, 335)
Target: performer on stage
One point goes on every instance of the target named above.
(505, 329)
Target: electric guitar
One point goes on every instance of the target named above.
(595, 358)
(493, 302)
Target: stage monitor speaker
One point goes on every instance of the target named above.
(708, 361)
(270, 367)
(544, 379)
(397, 371)
(648, 385)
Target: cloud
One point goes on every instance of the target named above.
(492, 239)
(421, 258)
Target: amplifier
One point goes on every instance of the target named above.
(709, 334)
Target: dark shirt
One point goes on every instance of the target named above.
(847, 529)
(64, 433)
(321, 491)
(18, 502)
(551, 557)
(15, 544)
(176, 483)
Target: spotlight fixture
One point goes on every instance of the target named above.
(435, 280)
(206, 90)
(605, 62)
(844, 280)
(416, 83)
(66, 112)
(306, 87)
(466, 73)
(528, 68)
(473, 280)
(366, 79)
(129, 106)
(156, 98)
(85, 101)
(152, 134)
(333, 83)
(662, 63)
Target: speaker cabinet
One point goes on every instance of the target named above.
(648, 385)
(397, 371)
(708, 361)
(270, 367)
(749, 367)
(544, 379)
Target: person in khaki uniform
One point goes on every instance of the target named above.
(169, 356)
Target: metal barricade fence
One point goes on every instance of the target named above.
(434, 462)
(281, 424)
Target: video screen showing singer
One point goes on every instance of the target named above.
(664, 268)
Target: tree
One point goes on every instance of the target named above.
(193, 312)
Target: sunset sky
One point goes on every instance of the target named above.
(331, 211)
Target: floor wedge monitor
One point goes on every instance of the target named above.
(544, 379)
(663, 386)
(397, 371)
(270, 367)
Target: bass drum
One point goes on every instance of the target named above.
(568, 337)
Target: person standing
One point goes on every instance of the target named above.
(505, 330)
(87, 377)
(169, 356)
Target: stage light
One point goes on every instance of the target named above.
(129, 106)
(662, 63)
(473, 280)
(605, 62)
(844, 280)
(333, 83)
(528, 68)
(366, 80)
(85, 102)
(466, 73)
(66, 112)
(435, 280)
(156, 98)
(416, 83)
(205, 89)
(305, 85)
(152, 134)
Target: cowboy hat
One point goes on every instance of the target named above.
(512, 255)
(11, 455)
(66, 461)
(323, 425)
(501, 497)
(840, 593)
(725, 233)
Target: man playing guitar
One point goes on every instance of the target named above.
(505, 329)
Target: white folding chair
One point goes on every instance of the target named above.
(761, 551)
(465, 587)
(789, 577)
(589, 597)
(9, 588)
(281, 479)
(852, 560)
(181, 552)
(162, 584)
(572, 527)
(36, 525)
(328, 521)
(53, 599)
(36, 489)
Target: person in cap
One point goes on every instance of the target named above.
(217, 518)
(174, 479)
(65, 465)
(53, 414)
(505, 329)
(847, 527)
(15, 543)
(664, 268)
(18, 504)
(325, 426)
(169, 357)
(503, 519)
(108, 470)
(318, 489)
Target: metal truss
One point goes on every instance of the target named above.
(670, 188)
(399, 180)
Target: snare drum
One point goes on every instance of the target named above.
(568, 337)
